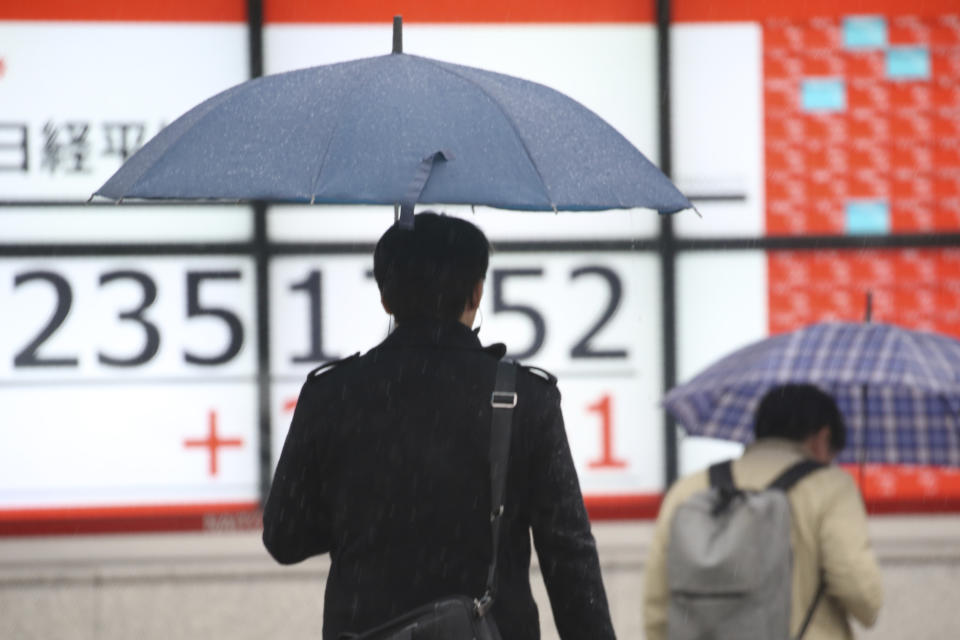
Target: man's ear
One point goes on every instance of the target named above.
(821, 445)
(476, 295)
(386, 307)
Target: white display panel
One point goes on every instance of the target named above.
(322, 223)
(128, 380)
(721, 307)
(121, 444)
(592, 319)
(125, 223)
(77, 98)
(717, 105)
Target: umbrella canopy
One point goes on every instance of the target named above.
(396, 129)
(899, 390)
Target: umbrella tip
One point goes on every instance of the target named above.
(397, 34)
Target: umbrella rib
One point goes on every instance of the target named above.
(333, 134)
(224, 97)
(506, 116)
(941, 361)
(948, 350)
(906, 345)
(951, 419)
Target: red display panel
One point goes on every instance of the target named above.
(750, 10)
(862, 124)
(862, 135)
(913, 288)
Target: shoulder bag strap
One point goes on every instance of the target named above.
(502, 400)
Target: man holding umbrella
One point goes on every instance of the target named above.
(385, 465)
(834, 572)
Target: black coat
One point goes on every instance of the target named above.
(385, 466)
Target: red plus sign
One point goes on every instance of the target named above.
(212, 442)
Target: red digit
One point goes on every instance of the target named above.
(606, 460)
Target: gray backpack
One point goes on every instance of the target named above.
(729, 562)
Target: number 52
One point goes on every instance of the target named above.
(583, 347)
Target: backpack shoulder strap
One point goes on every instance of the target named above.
(813, 607)
(721, 479)
(794, 473)
(721, 475)
(791, 476)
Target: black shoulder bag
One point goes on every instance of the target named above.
(462, 617)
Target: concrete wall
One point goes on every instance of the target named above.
(223, 585)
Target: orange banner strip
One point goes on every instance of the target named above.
(467, 11)
(643, 506)
(459, 11)
(126, 10)
(129, 519)
(123, 511)
(886, 489)
(902, 489)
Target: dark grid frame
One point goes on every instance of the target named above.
(666, 245)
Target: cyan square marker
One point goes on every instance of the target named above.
(908, 63)
(864, 32)
(823, 94)
(867, 217)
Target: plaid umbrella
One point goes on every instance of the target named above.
(899, 390)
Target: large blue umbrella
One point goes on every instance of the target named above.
(899, 390)
(396, 129)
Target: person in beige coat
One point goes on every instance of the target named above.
(829, 522)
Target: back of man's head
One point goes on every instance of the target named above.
(798, 411)
(430, 271)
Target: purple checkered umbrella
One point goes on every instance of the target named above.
(899, 390)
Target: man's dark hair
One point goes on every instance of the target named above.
(797, 411)
(430, 271)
